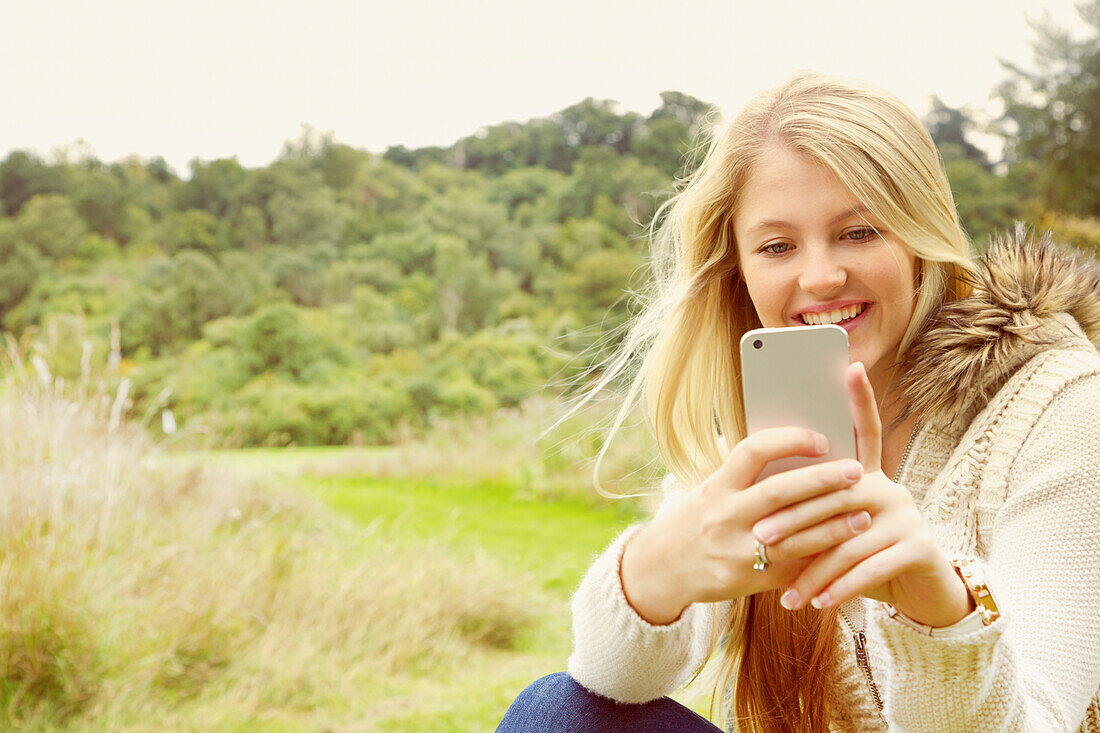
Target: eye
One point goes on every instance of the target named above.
(775, 248)
(860, 234)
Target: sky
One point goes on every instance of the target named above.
(202, 79)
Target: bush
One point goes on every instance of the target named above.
(277, 339)
(276, 412)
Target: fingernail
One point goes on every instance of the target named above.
(859, 521)
(852, 470)
(821, 444)
(821, 600)
(789, 599)
(764, 532)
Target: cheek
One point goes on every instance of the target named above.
(768, 304)
(904, 269)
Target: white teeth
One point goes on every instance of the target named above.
(841, 314)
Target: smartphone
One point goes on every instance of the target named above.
(795, 376)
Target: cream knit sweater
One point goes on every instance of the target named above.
(1011, 478)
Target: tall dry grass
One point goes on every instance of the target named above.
(134, 596)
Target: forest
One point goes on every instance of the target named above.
(341, 296)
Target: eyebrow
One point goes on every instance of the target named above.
(780, 224)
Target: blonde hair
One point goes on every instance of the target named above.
(684, 343)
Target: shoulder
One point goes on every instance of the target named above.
(1038, 432)
(1072, 366)
(1054, 395)
(1056, 463)
(1068, 421)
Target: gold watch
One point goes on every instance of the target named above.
(973, 577)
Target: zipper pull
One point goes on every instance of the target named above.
(861, 650)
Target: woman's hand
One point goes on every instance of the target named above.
(702, 549)
(896, 560)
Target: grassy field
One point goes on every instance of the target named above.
(543, 545)
(413, 588)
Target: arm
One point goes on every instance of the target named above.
(1038, 666)
(620, 655)
(644, 614)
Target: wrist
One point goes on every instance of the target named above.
(648, 584)
(946, 608)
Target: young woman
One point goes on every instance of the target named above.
(949, 580)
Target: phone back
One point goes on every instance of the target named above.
(795, 376)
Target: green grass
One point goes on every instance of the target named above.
(554, 540)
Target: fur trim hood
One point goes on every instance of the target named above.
(1023, 290)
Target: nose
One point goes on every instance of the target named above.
(822, 273)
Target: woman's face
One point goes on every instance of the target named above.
(810, 253)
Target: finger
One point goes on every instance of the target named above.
(795, 518)
(832, 564)
(778, 576)
(870, 573)
(865, 418)
(778, 498)
(749, 457)
(820, 537)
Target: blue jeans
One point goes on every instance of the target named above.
(558, 704)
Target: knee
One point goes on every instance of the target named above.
(552, 684)
(554, 692)
(548, 704)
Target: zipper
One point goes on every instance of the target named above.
(860, 640)
(858, 637)
(905, 455)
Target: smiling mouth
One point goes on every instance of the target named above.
(840, 315)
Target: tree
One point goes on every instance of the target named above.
(531, 185)
(623, 180)
(191, 229)
(951, 126)
(415, 159)
(599, 281)
(555, 142)
(987, 203)
(248, 228)
(340, 164)
(494, 150)
(307, 218)
(216, 187)
(596, 122)
(1052, 114)
(101, 201)
(685, 108)
(670, 131)
(20, 266)
(276, 339)
(23, 176)
(50, 223)
(468, 290)
(174, 298)
(301, 273)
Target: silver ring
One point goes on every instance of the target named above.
(761, 563)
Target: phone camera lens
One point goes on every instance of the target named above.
(757, 344)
